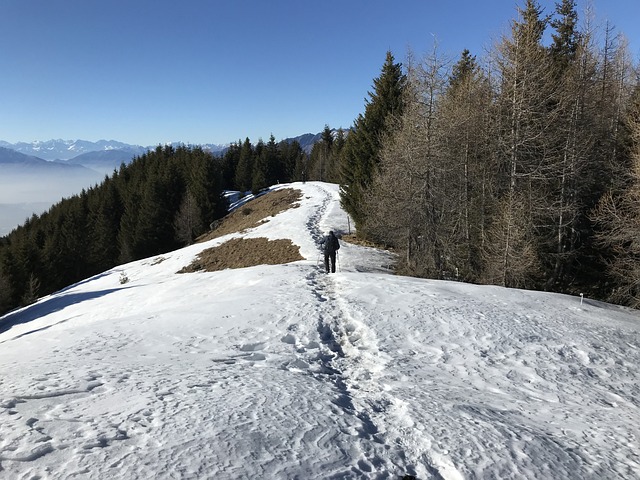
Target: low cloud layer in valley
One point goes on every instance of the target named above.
(23, 193)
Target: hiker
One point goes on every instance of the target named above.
(330, 246)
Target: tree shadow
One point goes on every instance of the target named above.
(87, 280)
(51, 305)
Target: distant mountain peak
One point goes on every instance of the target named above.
(59, 149)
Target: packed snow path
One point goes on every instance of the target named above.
(286, 372)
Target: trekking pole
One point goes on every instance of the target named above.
(338, 259)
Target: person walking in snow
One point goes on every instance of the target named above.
(330, 247)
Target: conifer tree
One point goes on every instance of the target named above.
(618, 217)
(260, 169)
(229, 165)
(105, 210)
(206, 184)
(565, 37)
(526, 87)
(466, 140)
(360, 154)
(128, 217)
(570, 138)
(407, 206)
(320, 158)
(244, 169)
(333, 165)
(291, 157)
(187, 223)
(5, 291)
(272, 162)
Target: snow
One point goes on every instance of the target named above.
(286, 372)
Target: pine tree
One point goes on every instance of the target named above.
(338, 145)
(407, 205)
(466, 140)
(569, 140)
(292, 157)
(260, 169)
(187, 223)
(565, 37)
(618, 217)
(526, 87)
(272, 162)
(320, 158)
(5, 291)
(360, 155)
(229, 165)
(244, 169)
(105, 210)
(207, 186)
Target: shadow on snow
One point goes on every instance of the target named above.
(51, 305)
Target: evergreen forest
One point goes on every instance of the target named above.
(520, 169)
(161, 201)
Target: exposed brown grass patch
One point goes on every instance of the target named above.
(354, 239)
(255, 212)
(241, 253)
(245, 252)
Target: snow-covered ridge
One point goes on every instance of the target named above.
(287, 372)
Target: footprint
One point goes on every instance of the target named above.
(288, 338)
(226, 361)
(365, 466)
(296, 364)
(255, 357)
(252, 347)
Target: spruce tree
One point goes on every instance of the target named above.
(320, 156)
(244, 169)
(260, 167)
(229, 165)
(565, 37)
(206, 183)
(291, 155)
(360, 158)
(105, 211)
(527, 84)
(569, 138)
(273, 164)
(5, 291)
(338, 145)
(466, 143)
(618, 219)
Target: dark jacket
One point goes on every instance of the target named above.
(330, 243)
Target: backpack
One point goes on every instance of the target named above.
(331, 244)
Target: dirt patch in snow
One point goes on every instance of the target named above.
(245, 252)
(248, 252)
(254, 213)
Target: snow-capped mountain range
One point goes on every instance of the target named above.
(71, 149)
(35, 175)
(68, 149)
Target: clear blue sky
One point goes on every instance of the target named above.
(215, 71)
